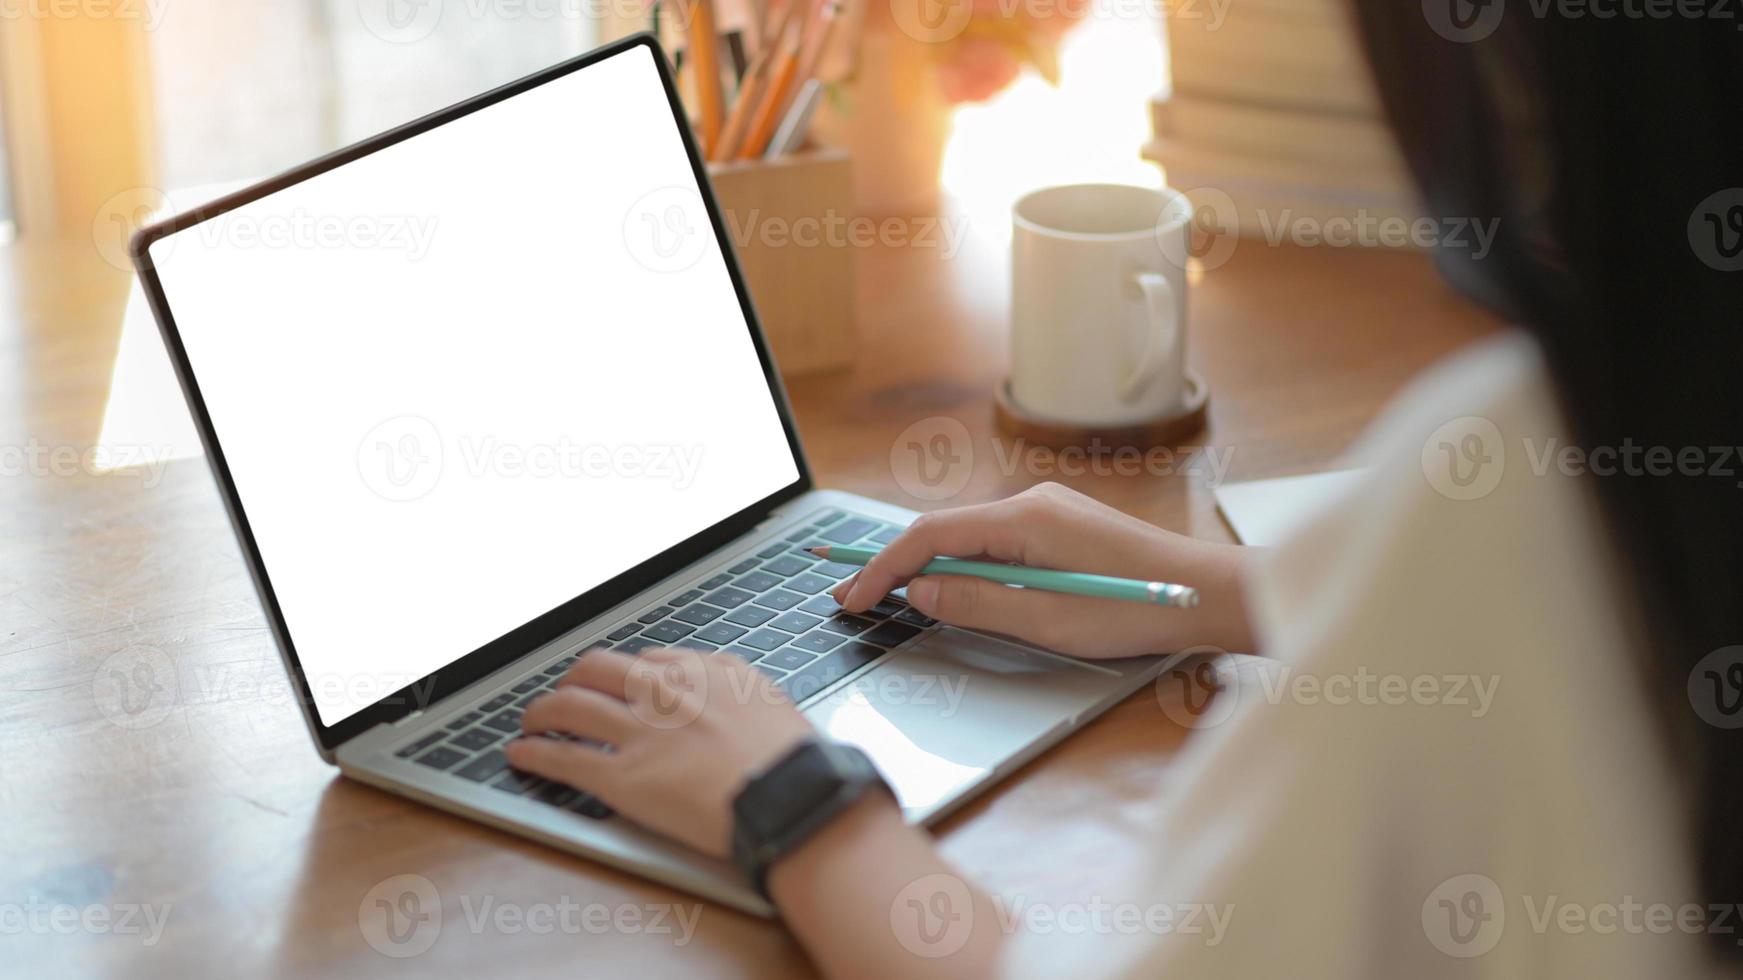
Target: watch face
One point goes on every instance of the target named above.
(794, 797)
(798, 787)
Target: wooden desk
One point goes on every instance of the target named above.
(221, 811)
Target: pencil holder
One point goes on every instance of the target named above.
(786, 219)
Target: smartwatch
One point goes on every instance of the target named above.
(781, 807)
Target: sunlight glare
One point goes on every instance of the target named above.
(1090, 128)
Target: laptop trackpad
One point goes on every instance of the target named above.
(946, 710)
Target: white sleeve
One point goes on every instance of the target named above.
(1446, 751)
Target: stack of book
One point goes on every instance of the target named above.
(1272, 106)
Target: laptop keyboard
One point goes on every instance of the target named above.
(771, 609)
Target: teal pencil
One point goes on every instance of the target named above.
(1075, 583)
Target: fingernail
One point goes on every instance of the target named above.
(923, 594)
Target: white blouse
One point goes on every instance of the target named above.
(1447, 765)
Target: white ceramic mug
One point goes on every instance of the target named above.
(1098, 303)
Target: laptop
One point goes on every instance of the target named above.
(487, 390)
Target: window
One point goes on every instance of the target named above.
(246, 88)
(6, 217)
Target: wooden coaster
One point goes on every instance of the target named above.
(1170, 431)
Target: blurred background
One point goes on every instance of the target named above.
(116, 111)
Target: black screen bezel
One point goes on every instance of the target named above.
(571, 614)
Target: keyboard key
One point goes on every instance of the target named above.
(911, 615)
(829, 518)
(700, 614)
(750, 615)
(743, 566)
(795, 622)
(716, 582)
(719, 633)
(772, 550)
(465, 720)
(885, 608)
(693, 644)
(809, 583)
(556, 794)
(848, 624)
(847, 532)
(635, 645)
(527, 685)
(518, 783)
(819, 642)
(624, 632)
(757, 582)
(821, 605)
(800, 535)
(786, 565)
(475, 739)
(887, 535)
(788, 658)
(504, 721)
(745, 654)
(779, 599)
(667, 632)
(526, 699)
(421, 744)
(684, 598)
(834, 569)
(775, 673)
(483, 767)
(591, 807)
(653, 616)
(555, 669)
(440, 758)
(806, 683)
(729, 597)
(891, 634)
(764, 640)
(500, 701)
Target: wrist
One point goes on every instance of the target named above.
(1229, 621)
(797, 797)
(871, 817)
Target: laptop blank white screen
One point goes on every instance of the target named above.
(470, 376)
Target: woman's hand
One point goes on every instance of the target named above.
(685, 731)
(1050, 526)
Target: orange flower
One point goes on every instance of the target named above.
(977, 69)
(1001, 37)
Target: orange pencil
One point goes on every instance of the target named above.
(812, 44)
(756, 31)
(768, 112)
(705, 63)
(750, 90)
(817, 39)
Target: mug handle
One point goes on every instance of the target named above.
(1162, 337)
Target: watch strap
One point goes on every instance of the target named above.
(795, 797)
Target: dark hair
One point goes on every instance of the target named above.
(1599, 145)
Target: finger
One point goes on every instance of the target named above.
(983, 529)
(601, 670)
(974, 603)
(566, 762)
(576, 710)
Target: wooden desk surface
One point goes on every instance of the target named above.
(217, 811)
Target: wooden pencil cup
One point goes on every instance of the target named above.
(784, 218)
